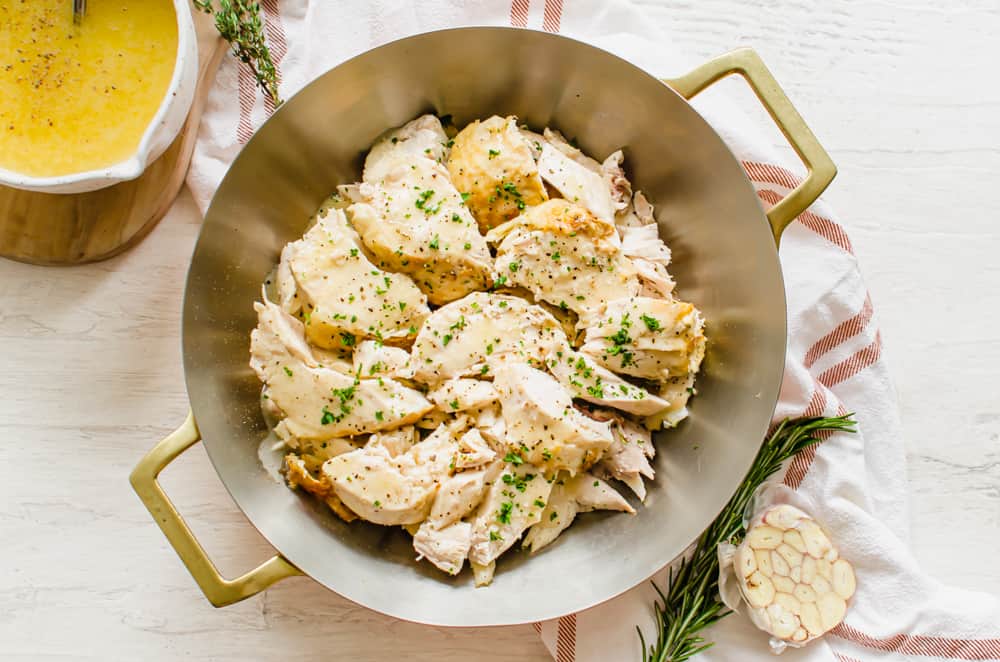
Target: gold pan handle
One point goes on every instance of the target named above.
(820, 167)
(219, 590)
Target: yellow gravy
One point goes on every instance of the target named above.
(75, 98)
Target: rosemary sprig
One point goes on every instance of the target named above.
(239, 23)
(692, 601)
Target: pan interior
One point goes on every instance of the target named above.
(724, 261)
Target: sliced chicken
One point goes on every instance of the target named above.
(627, 459)
(462, 393)
(460, 494)
(373, 359)
(286, 290)
(512, 504)
(476, 334)
(613, 173)
(542, 426)
(397, 442)
(298, 476)
(392, 490)
(321, 403)
(566, 256)
(345, 297)
(650, 257)
(493, 165)
(446, 548)
(571, 495)
(483, 574)
(473, 450)
(372, 483)
(415, 222)
(678, 390)
(649, 338)
(577, 183)
(586, 379)
(422, 138)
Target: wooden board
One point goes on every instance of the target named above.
(53, 229)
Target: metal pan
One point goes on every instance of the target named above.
(725, 260)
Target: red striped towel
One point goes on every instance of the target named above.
(834, 361)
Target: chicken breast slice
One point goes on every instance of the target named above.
(650, 257)
(298, 475)
(576, 183)
(460, 494)
(627, 459)
(493, 164)
(679, 391)
(415, 222)
(317, 402)
(446, 547)
(512, 504)
(475, 334)
(542, 426)
(462, 393)
(397, 442)
(570, 496)
(393, 490)
(344, 296)
(373, 484)
(566, 256)
(422, 138)
(473, 450)
(586, 379)
(649, 338)
(373, 359)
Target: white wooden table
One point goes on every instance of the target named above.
(904, 97)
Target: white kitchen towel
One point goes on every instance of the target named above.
(833, 362)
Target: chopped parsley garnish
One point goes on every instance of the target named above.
(446, 339)
(467, 246)
(422, 199)
(596, 483)
(378, 504)
(499, 282)
(494, 536)
(348, 339)
(513, 458)
(453, 404)
(435, 243)
(493, 153)
(466, 196)
(503, 515)
(546, 454)
(489, 349)
(597, 391)
(539, 503)
(553, 516)
(288, 371)
(379, 416)
(354, 252)
(402, 306)
(651, 323)
(455, 218)
(328, 417)
(514, 266)
(485, 369)
(460, 324)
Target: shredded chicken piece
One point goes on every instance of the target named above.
(493, 165)
(566, 256)
(572, 495)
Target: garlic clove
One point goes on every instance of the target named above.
(779, 564)
(832, 610)
(794, 539)
(783, 584)
(759, 590)
(746, 562)
(817, 543)
(764, 537)
(809, 615)
(804, 593)
(844, 583)
(763, 558)
(783, 623)
(792, 557)
(783, 517)
(808, 570)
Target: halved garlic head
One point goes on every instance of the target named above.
(792, 576)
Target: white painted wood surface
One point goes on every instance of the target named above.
(904, 96)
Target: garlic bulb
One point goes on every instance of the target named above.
(791, 576)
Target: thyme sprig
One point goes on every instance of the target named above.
(692, 601)
(239, 23)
